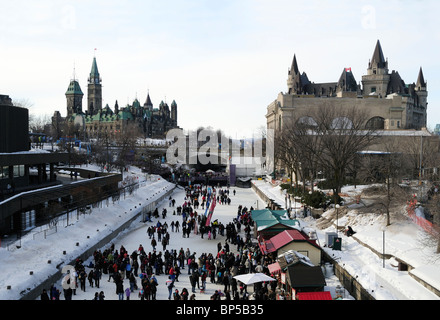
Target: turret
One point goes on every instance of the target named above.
(421, 83)
(377, 79)
(421, 92)
(94, 77)
(174, 112)
(74, 96)
(378, 64)
(294, 83)
(148, 104)
(116, 107)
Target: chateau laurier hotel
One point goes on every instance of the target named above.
(396, 110)
(391, 103)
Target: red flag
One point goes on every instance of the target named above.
(348, 69)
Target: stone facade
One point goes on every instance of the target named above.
(388, 100)
(396, 110)
(149, 121)
(94, 90)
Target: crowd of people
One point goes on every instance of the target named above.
(135, 272)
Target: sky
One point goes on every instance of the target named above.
(223, 62)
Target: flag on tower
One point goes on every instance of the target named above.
(348, 69)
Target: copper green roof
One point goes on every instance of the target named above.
(74, 88)
(136, 103)
(267, 218)
(96, 117)
(107, 110)
(94, 73)
(125, 115)
(102, 116)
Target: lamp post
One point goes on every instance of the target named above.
(383, 246)
(337, 213)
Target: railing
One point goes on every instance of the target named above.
(65, 217)
(43, 234)
(428, 226)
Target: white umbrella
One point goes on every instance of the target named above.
(210, 171)
(250, 278)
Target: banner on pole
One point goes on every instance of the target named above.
(211, 211)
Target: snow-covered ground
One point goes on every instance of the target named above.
(403, 239)
(137, 234)
(35, 251)
(89, 229)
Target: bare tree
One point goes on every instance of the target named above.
(308, 145)
(432, 207)
(285, 153)
(38, 123)
(126, 142)
(327, 139)
(23, 103)
(103, 152)
(422, 152)
(342, 133)
(390, 167)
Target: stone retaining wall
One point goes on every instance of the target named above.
(270, 203)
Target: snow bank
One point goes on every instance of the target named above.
(34, 254)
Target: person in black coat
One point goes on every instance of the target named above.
(120, 289)
(68, 294)
(349, 232)
(153, 289)
(193, 283)
(44, 295)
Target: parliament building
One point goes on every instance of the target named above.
(97, 120)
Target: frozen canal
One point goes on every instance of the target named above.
(137, 234)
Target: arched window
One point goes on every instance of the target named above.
(307, 121)
(375, 123)
(342, 123)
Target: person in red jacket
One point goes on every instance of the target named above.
(172, 274)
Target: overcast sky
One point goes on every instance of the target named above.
(223, 62)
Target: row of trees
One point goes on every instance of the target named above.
(333, 142)
(107, 149)
(326, 141)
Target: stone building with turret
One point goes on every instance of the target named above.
(391, 103)
(96, 120)
(396, 110)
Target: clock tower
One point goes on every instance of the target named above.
(94, 94)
